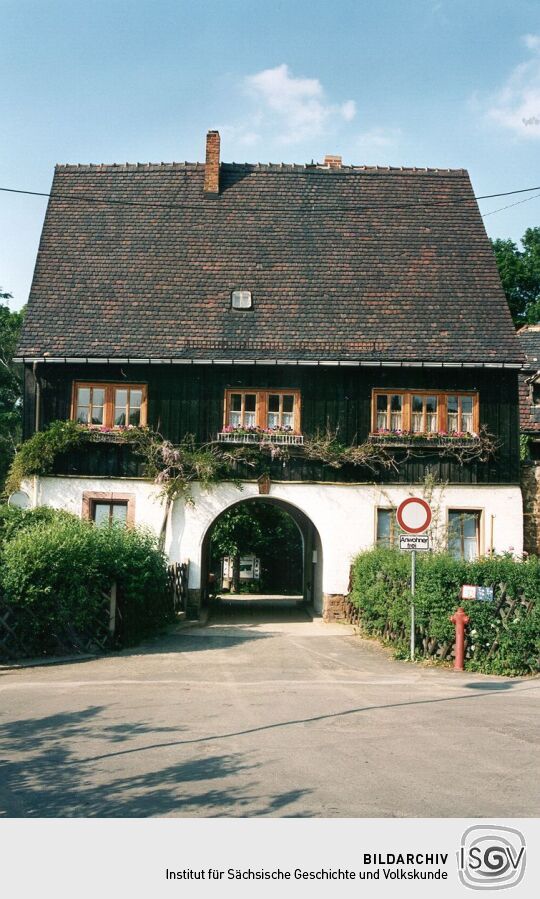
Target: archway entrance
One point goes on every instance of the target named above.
(261, 554)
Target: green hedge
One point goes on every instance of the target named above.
(13, 521)
(55, 569)
(503, 638)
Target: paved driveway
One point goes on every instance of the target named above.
(282, 718)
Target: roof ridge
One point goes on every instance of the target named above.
(281, 167)
(126, 166)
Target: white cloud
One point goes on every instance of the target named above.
(240, 135)
(296, 107)
(516, 106)
(532, 41)
(379, 137)
(374, 145)
(348, 110)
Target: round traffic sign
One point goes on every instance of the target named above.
(413, 515)
(19, 500)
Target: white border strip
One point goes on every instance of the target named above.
(364, 363)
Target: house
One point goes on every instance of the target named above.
(228, 300)
(529, 414)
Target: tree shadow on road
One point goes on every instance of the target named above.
(42, 774)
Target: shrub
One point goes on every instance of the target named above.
(13, 520)
(57, 571)
(503, 635)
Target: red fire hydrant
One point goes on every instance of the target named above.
(460, 619)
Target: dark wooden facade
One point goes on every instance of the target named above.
(188, 399)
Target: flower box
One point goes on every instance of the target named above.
(118, 435)
(407, 439)
(283, 438)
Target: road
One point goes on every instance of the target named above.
(265, 714)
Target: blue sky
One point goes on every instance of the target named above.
(442, 83)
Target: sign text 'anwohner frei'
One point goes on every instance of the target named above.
(414, 541)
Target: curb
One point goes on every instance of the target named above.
(54, 660)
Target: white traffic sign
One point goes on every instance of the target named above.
(414, 541)
(470, 591)
(413, 515)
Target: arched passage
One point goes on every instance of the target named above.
(309, 577)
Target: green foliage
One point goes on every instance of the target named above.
(267, 531)
(10, 385)
(13, 521)
(520, 275)
(37, 455)
(497, 644)
(174, 468)
(524, 447)
(56, 570)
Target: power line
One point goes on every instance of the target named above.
(509, 206)
(82, 198)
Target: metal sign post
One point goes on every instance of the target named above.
(413, 585)
(414, 517)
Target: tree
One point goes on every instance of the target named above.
(10, 385)
(520, 275)
(263, 529)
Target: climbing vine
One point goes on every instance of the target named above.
(325, 447)
(524, 447)
(175, 467)
(36, 456)
(379, 451)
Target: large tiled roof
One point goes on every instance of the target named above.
(349, 263)
(529, 415)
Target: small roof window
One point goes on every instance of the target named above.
(241, 299)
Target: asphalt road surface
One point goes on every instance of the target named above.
(265, 713)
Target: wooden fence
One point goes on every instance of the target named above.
(178, 584)
(21, 634)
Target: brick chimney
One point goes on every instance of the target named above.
(333, 162)
(211, 169)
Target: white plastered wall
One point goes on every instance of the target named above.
(343, 514)
(67, 493)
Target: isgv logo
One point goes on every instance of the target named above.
(491, 857)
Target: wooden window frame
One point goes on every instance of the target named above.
(459, 394)
(424, 396)
(109, 402)
(395, 530)
(261, 405)
(468, 510)
(89, 500)
(387, 393)
(442, 409)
